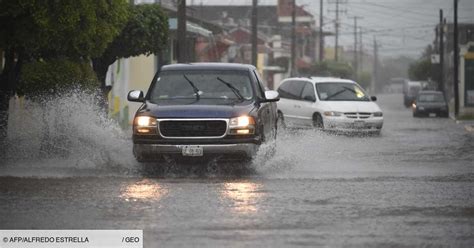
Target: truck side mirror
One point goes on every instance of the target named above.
(135, 96)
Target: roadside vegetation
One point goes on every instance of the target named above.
(50, 46)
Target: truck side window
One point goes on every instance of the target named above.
(260, 86)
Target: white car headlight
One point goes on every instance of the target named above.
(332, 113)
(378, 114)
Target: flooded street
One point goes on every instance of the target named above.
(411, 186)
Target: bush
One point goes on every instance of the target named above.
(51, 77)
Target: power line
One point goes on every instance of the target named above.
(336, 26)
(404, 10)
(391, 14)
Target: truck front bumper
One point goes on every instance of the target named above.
(151, 152)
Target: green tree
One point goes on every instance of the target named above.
(420, 70)
(146, 32)
(32, 29)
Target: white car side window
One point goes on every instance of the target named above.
(323, 95)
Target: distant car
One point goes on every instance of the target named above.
(410, 92)
(396, 85)
(430, 103)
(329, 104)
(203, 110)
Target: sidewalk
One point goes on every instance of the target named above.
(468, 124)
(469, 127)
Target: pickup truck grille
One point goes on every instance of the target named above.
(193, 128)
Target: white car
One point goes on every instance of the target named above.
(329, 104)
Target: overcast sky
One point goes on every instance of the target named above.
(400, 26)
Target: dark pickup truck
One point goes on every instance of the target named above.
(203, 110)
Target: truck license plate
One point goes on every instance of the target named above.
(192, 151)
(432, 114)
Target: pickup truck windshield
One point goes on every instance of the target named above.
(176, 85)
(340, 92)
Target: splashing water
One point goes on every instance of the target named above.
(68, 136)
(63, 136)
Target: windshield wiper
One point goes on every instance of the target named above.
(197, 92)
(235, 90)
(364, 97)
(339, 92)
(335, 94)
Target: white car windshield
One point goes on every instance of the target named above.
(340, 92)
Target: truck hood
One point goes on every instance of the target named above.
(351, 106)
(196, 110)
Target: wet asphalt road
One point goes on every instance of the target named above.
(411, 186)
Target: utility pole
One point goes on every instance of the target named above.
(441, 52)
(337, 32)
(321, 35)
(376, 59)
(361, 50)
(356, 60)
(159, 62)
(456, 60)
(254, 33)
(293, 39)
(181, 32)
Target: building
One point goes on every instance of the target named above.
(465, 41)
(274, 28)
(204, 44)
(466, 80)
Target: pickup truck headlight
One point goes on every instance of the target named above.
(145, 125)
(242, 125)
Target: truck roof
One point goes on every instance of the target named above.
(208, 66)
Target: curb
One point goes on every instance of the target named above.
(468, 125)
(469, 128)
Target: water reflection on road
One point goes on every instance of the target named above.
(244, 196)
(145, 189)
